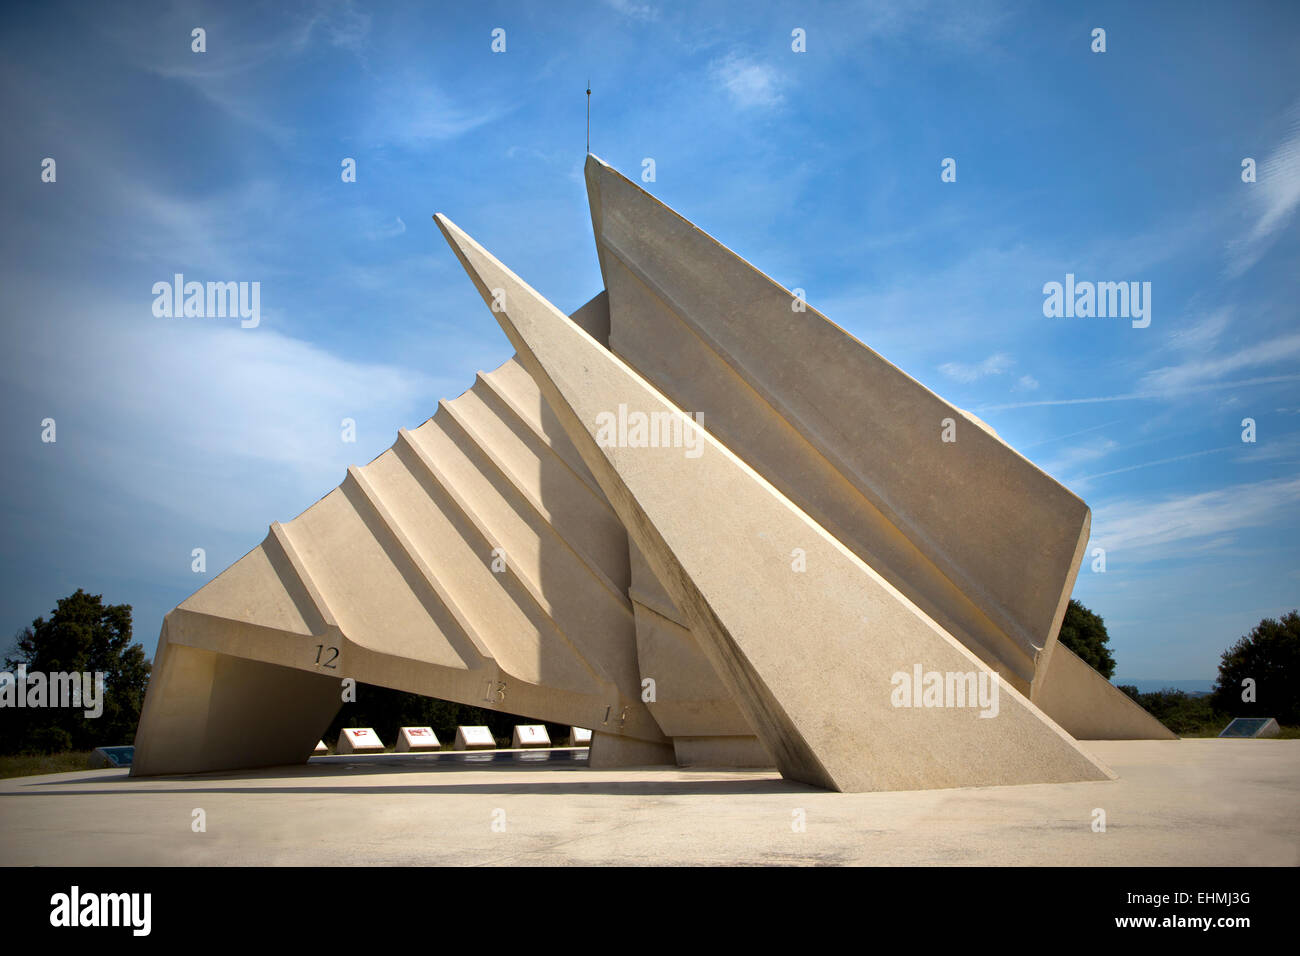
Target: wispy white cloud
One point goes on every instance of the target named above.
(1269, 448)
(247, 402)
(387, 230)
(963, 27)
(1201, 371)
(224, 231)
(1027, 383)
(415, 113)
(1142, 396)
(241, 46)
(1074, 434)
(1079, 454)
(1201, 335)
(1160, 461)
(749, 82)
(630, 8)
(1153, 529)
(1273, 197)
(341, 22)
(995, 364)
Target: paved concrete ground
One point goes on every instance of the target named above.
(1201, 802)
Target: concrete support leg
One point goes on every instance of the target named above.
(207, 711)
(608, 751)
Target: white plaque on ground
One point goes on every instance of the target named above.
(321, 748)
(530, 735)
(474, 738)
(356, 740)
(412, 739)
(579, 737)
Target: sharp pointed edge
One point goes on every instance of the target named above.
(456, 238)
(490, 276)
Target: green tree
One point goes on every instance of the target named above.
(1085, 633)
(1181, 712)
(81, 635)
(1269, 655)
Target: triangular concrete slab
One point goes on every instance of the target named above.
(813, 656)
(976, 535)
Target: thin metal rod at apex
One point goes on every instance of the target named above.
(589, 114)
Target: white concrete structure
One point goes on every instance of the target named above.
(780, 384)
(474, 738)
(530, 735)
(358, 740)
(503, 555)
(811, 657)
(415, 739)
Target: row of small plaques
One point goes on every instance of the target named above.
(354, 740)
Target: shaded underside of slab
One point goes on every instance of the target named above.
(222, 712)
(690, 701)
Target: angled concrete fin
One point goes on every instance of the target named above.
(977, 536)
(1090, 707)
(816, 659)
(207, 710)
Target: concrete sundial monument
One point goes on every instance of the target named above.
(695, 516)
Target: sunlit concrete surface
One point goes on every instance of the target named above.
(1189, 802)
(504, 554)
(718, 537)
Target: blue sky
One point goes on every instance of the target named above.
(822, 168)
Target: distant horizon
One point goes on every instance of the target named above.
(1147, 685)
